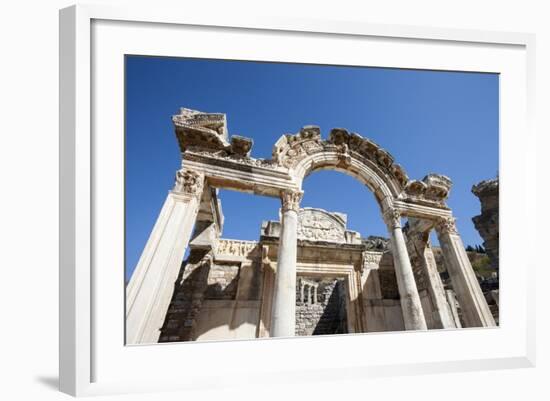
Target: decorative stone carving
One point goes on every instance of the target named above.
(291, 200)
(340, 137)
(204, 130)
(189, 182)
(319, 225)
(371, 260)
(225, 156)
(438, 187)
(392, 217)
(235, 247)
(241, 146)
(447, 225)
(400, 174)
(433, 189)
(290, 149)
(207, 132)
(416, 188)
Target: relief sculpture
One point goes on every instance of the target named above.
(317, 225)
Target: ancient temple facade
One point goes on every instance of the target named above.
(344, 284)
(306, 274)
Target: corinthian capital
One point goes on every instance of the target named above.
(392, 217)
(189, 182)
(446, 225)
(290, 200)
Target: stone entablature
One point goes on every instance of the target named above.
(204, 135)
(236, 248)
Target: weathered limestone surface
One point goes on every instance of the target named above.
(150, 288)
(487, 222)
(473, 305)
(229, 288)
(439, 315)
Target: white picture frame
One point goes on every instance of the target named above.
(93, 360)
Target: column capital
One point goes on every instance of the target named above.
(290, 200)
(189, 182)
(392, 217)
(446, 225)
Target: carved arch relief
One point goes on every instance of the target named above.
(350, 153)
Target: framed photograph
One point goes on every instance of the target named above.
(250, 199)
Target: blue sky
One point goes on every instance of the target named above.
(430, 121)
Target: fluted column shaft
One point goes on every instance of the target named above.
(475, 311)
(150, 288)
(283, 316)
(413, 316)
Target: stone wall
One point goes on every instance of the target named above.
(222, 281)
(187, 298)
(325, 313)
(217, 296)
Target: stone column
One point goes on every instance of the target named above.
(283, 316)
(315, 295)
(475, 310)
(419, 245)
(413, 316)
(452, 304)
(442, 312)
(150, 289)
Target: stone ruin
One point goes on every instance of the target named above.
(487, 223)
(306, 274)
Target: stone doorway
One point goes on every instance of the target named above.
(321, 306)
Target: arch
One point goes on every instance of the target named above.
(305, 153)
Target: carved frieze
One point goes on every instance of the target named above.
(291, 149)
(189, 182)
(319, 225)
(235, 247)
(371, 260)
(223, 156)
